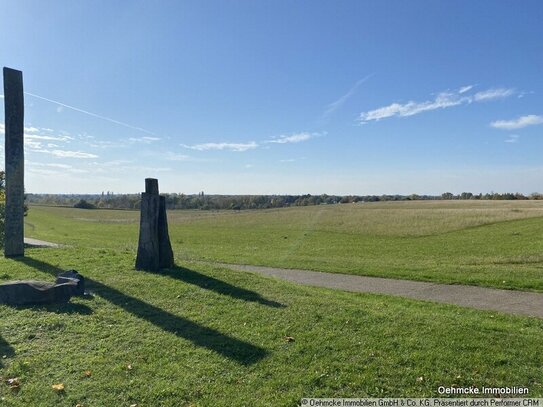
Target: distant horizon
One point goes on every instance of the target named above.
(258, 98)
(297, 194)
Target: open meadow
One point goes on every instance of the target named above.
(201, 334)
(491, 243)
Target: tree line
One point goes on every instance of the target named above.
(242, 202)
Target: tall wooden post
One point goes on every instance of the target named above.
(154, 247)
(14, 162)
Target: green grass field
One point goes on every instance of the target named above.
(203, 335)
(490, 243)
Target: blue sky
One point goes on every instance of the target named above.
(279, 97)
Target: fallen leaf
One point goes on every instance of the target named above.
(88, 373)
(129, 367)
(289, 339)
(58, 387)
(420, 379)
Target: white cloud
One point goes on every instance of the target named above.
(123, 166)
(138, 168)
(513, 138)
(51, 138)
(31, 130)
(34, 145)
(64, 166)
(441, 101)
(523, 121)
(492, 94)
(524, 93)
(34, 138)
(68, 154)
(42, 171)
(145, 140)
(294, 138)
(177, 157)
(113, 163)
(223, 146)
(105, 144)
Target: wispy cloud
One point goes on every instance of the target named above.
(441, 101)
(144, 140)
(115, 163)
(72, 154)
(124, 166)
(519, 123)
(239, 147)
(222, 146)
(513, 138)
(66, 153)
(293, 138)
(130, 126)
(178, 157)
(37, 139)
(332, 107)
(52, 165)
(493, 94)
(49, 138)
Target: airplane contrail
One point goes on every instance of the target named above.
(92, 114)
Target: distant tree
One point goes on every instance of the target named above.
(447, 195)
(82, 204)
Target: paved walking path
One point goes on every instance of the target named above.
(508, 301)
(40, 243)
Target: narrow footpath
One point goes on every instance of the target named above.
(39, 243)
(508, 301)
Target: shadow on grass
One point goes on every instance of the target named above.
(209, 283)
(5, 350)
(232, 348)
(66, 308)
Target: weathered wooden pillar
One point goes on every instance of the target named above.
(154, 247)
(14, 162)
